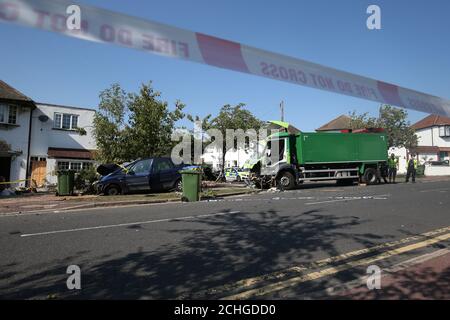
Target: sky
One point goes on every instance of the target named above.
(411, 50)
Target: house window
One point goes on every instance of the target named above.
(63, 165)
(12, 116)
(8, 114)
(75, 166)
(444, 131)
(87, 165)
(2, 113)
(65, 121)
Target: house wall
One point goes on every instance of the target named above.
(44, 135)
(426, 156)
(17, 137)
(437, 170)
(232, 158)
(430, 137)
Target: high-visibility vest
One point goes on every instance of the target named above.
(393, 163)
(414, 163)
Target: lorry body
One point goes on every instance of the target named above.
(290, 159)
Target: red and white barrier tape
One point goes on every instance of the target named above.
(109, 27)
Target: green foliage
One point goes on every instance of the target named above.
(133, 125)
(4, 146)
(393, 120)
(109, 125)
(85, 178)
(151, 123)
(230, 117)
(81, 131)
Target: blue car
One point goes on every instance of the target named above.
(152, 174)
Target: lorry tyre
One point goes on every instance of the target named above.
(370, 176)
(286, 180)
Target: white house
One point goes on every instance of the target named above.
(433, 133)
(233, 157)
(15, 124)
(37, 139)
(56, 142)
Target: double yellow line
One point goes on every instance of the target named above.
(243, 286)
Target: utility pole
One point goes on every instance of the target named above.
(282, 110)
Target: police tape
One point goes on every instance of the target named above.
(105, 26)
(15, 181)
(34, 184)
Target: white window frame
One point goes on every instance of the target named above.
(6, 109)
(61, 117)
(70, 164)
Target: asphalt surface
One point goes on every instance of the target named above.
(206, 249)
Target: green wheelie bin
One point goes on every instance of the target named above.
(66, 182)
(191, 185)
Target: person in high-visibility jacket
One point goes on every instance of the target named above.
(393, 167)
(412, 168)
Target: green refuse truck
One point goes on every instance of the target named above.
(293, 157)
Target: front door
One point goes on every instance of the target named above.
(38, 172)
(5, 168)
(137, 178)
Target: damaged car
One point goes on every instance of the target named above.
(142, 175)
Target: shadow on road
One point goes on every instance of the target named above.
(215, 251)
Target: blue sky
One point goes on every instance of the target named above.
(411, 50)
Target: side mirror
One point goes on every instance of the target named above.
(130, 172)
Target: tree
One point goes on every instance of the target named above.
(133, 125)
(230, 118)
(393, 120)
(110, 124)
(151, 123)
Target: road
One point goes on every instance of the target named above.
(312, 243)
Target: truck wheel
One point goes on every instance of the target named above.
(370, 176)
(286, 180)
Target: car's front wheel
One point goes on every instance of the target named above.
(179, 185)
(112, 190)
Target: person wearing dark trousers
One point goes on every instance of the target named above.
(382, 172)
(393, 167)
(411, 171)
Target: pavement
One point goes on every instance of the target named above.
(43, 201)
(316, 242)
